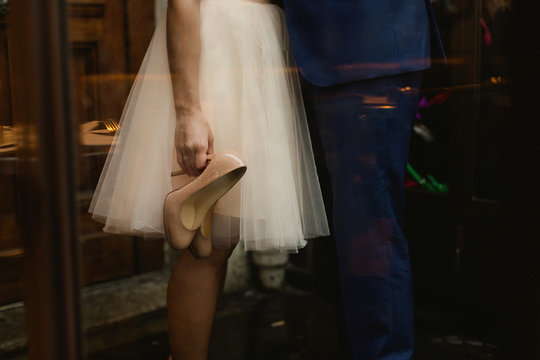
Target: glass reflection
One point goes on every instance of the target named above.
(122, 276)
(12, 331)
(495, 103)
(462, 116)
(465, 106)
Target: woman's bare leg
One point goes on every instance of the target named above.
(192, 298)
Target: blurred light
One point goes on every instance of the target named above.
(496, 80)
(11, 253)
(377, 102)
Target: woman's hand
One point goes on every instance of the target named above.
(193, 140)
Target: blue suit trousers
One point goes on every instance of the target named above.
(364, 129)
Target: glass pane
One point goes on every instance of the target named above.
(495, 100)
(431, 154)
(465, 106)
(123, 276)
(12, 332)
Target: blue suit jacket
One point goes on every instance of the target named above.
(340, 41)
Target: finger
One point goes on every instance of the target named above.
(190, 163)
(200, 161)
(183, 161)
(180, 161)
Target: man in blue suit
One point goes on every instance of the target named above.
(362, 61)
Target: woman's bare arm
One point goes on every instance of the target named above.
(193, 137)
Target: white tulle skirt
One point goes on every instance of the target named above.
(251, 96)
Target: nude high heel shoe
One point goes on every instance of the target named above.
(186, 208)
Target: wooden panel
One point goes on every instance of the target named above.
(10, 236)
(148, 254)
(84, 61)
(98, 57)
(98, 40)
(11, 269)
(7, 203)
(108, 40)
(85, 29)
(86, 224)
(140, 29)
(113, 61)
(106, 257)
(5, 97)
(86, 10)
(90, 166)
(11, 252)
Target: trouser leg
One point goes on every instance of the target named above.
(364, 129)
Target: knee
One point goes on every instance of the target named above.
(216, 258)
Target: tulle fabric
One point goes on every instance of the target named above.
(252, 99)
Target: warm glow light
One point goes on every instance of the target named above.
(496, 80)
